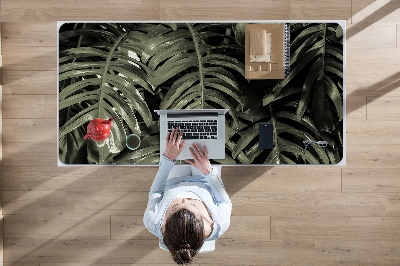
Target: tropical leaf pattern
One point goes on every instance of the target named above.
(127, 70)
(312, 97)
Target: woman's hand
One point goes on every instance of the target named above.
(174, 145)
(201, 160)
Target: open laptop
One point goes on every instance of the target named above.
(206, 127)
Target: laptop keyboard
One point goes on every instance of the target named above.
(195, 129)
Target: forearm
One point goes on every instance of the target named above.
(217, 186)
(160, 179)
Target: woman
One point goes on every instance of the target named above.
(188, 205)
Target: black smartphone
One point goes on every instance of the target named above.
(265, 136)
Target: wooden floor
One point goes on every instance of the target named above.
(281, 215)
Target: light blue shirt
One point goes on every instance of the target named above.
(209, 188)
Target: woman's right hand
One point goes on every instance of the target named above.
(201, 161)
(174, 144)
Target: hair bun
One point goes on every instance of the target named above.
(183, 255)
(184, 245)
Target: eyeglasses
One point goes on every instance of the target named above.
(321, 143)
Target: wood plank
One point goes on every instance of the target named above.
(324, 9)
(393, 204)
(254, 253)
(249, 227)
(383, 108)
(21, 264)
(133, 179)
(56, 179)
(335, 228)
(129, 227)
(112, 264)
(51, 106)
(373, 131)
(372, 72)
(1, 237)
(29, 51)
(370, 264)
(42, 10)
(30, 154)
(24, 106)
(224, 10)
(31, 89)
(363, 252)
(1, 152)
(39, 130)
(36, 46)
(0, 38)
(50, 226)
(373, 18)
(356, 108)
(309, 204)
(36, 35)
(1, 65)
(78, 179)
(85, 251)
(30, 82)
(384, 36)
(357, 6)
(368, 155)
(283, 179)
(374, 12)
(33, 62)
(33, 202)
(107, 203)
(379, 180)
(147, 251)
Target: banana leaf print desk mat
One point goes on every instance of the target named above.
(125, 71)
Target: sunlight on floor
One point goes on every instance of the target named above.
(381, 14)
(372, 54)
(373, 7)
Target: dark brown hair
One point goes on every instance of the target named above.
(184, 235)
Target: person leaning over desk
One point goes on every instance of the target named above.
(186, 209)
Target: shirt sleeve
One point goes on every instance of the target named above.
(222, 199)
(156, 194)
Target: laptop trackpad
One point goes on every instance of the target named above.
(209, 144)
(186, 153)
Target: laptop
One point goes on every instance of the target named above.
(206, 127)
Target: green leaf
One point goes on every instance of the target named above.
(306, 59)
(335, 95)
(296, 150)
(77, 86)
(219, 99)
(239, 29)
(191, 63)
(312, 76)
(103, 78)
(79, 119)
(245, 138)
(270, 97)
(172, 67)
(322, 117)
(186, 82)
(224, 61)
(78, 98)
(339, 31)
(72, 147)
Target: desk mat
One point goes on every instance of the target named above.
(125, 71)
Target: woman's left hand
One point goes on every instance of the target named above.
(174, 144)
